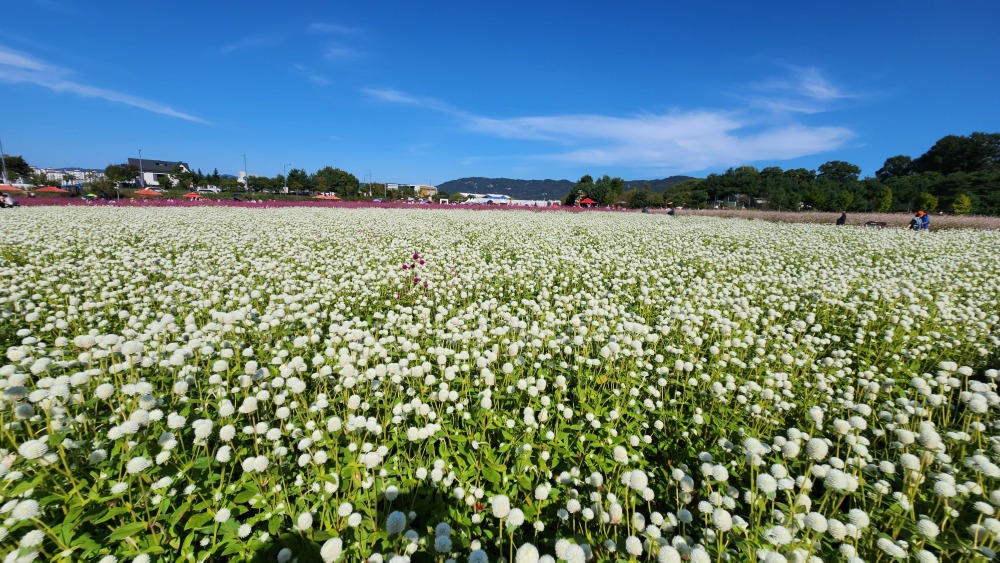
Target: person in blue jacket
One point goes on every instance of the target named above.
(925, 221)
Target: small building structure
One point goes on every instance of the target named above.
(154, 170)
(486, 199)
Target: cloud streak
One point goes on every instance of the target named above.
(19, 68)
(677, 141)
(805, 90)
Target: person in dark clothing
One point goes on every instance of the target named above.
(915, 222)
(842, 220)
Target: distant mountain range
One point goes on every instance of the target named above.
(541, 189)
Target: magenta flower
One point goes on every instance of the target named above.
(415, 256)
(404, 266)
(421, 262)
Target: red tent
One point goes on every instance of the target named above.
(9, 189)
(51, 190)
(587, 201)
(146, 192)
(192, 195)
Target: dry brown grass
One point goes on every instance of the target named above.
(892, 220)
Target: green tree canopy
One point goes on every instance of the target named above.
(962, 205)
(954, 153)
(329, 179)
(839, 172)
(895, 167)
(926, 201)
(17, 167)
(120, 174)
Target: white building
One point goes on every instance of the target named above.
(153, 170)
(67, 176)
(488, 199)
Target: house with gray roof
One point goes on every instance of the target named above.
(153, 170)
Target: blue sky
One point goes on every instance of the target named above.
(426, 92)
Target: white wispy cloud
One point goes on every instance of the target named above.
(339, 52)
(679, 140)
(313, 76)
(338, 41)
(16, 68)
(802, 90)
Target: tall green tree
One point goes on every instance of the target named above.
(17, 167)
(844, 200)
(883, 202)
(926, 201)
(185, 179)
(329, 179)
(121, 174)
(839, 172)
(895, 167)
(962, 205)
(955, 153)
(298, 180)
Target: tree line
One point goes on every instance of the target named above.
(326, 179)
(959, 174)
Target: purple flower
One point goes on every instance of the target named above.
(421, 262)
(415, 256)
(415, 280)
(405, 266)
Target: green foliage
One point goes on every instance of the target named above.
(336, 180)
(926, 201)
(883, 203)
(895, 167)
(962, 205)
(954, 153)
(844, 200)
(17, 167)
(38, 179)
(121, 174)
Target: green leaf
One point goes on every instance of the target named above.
(127, 530)
(197, 521)
(491, 475)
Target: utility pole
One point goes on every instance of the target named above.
(3, 158)
(284, 174)
(246, 175)
(142, 177)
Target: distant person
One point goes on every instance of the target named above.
(915, 222)
(645, 210)
(842, 220)
(671, 212)
(925, 221)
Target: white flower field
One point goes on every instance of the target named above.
(392, 385)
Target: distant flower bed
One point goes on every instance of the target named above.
(368, 384)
